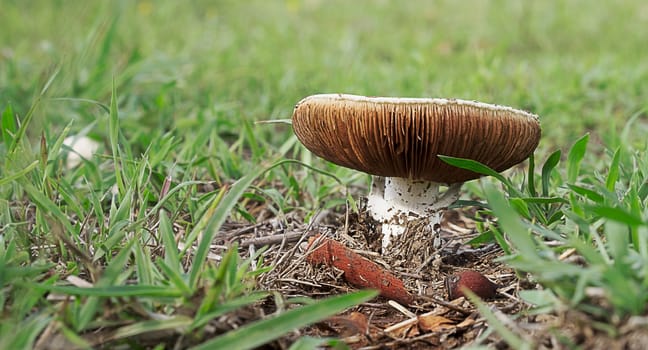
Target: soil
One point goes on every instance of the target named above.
(422, 263)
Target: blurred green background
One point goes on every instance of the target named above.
(180, 66)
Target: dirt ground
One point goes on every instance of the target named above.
(427, 318)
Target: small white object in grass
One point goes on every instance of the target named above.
(401, 308)
(82, 147)
(78, 282)
(114, 190)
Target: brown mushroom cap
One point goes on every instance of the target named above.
(401, 137)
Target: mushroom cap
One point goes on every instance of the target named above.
(402, 137)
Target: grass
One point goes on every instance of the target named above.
(171, 92)
(600, 217)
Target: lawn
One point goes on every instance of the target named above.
(187, 225)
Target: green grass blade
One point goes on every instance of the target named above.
(510, 223)
(103, 106)
(48, 206)
(642, 193)
(49, 82)
(617, 214)
(218, 218)
(587, 193)
(73, 339)
(125, 207)
(499, 238)
(117, 264)
(576, 154)
(170, 194)
(108, 278)
(520, 207)
(25, 333)
(613, 172)
(8, 178)
(8, 124)
(261, 332)
(309, 343)
(114, 138)
(143, 265)
(531, 177)
(175, 277)
(549, 165)
(116, 233)
(545, 200)
(225, 307)
(251, 139)
(176, 322)
(475, 166)
(171, 257)
(20, 134)
(113, 291)
(202, 223)
(618, 239)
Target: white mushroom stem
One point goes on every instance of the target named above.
(395, 201)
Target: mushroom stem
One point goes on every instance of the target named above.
(395, 201)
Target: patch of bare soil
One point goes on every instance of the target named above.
(424, 264)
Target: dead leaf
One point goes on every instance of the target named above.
(434, 323)
(354, 323)
(469, 321)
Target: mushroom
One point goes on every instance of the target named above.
(398, 140)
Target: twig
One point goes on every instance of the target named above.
(401, 309)
(274, 239)
(445, 303)
(284, 270)
(246, 229)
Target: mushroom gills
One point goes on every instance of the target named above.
(395, 201)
